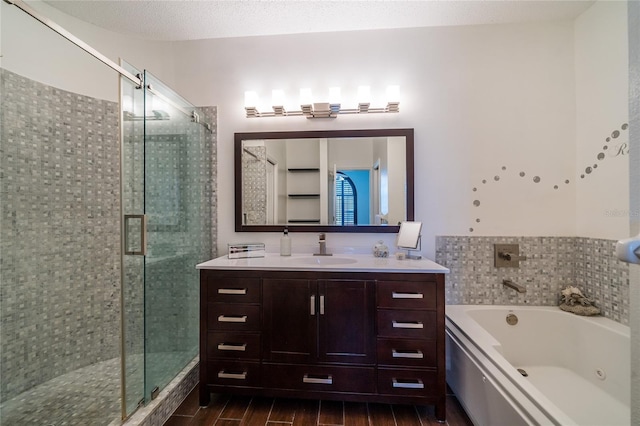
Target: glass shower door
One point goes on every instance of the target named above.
(132, 190)
(172, 167)
(167, 219)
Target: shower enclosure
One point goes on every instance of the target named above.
(166, 187)
(96, 316)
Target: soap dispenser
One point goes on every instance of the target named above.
(285, 244)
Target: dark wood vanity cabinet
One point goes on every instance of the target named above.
(358, 336)
(311, 321)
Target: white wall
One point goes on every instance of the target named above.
(479, 98)
(601, 47)
(32, 50)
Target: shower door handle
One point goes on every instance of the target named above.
(143, 234)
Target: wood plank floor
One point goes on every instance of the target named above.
(225, 410)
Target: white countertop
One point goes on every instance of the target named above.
(337, 262)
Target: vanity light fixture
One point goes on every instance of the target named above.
(329, 109)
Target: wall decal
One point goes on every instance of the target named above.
(612, 150)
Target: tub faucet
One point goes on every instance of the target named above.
(322, 239)
(511, 257)
(517, 287)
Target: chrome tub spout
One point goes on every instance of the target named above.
(517, 287)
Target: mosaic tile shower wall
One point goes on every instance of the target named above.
(60, 194)
(254, 185)
(552, 264)
(179, 204)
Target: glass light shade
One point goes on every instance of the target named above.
(364, 94)
(334, 95)
(393, 94)
(305, 97)
(250, 99)
(277, 97)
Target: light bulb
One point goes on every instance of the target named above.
(393, 94)
(305, 97)
(334, 95)
(250, 99)
(364, 94)
(277, 97)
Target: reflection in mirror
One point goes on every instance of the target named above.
(331, 181)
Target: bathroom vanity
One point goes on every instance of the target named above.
(343, 327)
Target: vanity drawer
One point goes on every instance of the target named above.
(234, 290)
(406, 294)
(230, 373)
(407, 352)
(238, 317)
(409, 324)
(233, 345)
(407, 382)
(319, 378)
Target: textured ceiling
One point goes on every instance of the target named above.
(200, 19)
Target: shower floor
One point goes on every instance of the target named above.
(87, 396)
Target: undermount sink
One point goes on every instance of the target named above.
(324, 260)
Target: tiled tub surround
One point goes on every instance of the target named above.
(552, 264)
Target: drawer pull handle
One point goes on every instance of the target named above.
(408, 385)
(232, 347)
(328, 380)
(395, 295)
(407, 354)
(232, 291)
(236, 376)
(238, 318)
(413, 324)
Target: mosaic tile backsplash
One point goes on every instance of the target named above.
(552, 264)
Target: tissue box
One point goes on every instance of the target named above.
(243, 250)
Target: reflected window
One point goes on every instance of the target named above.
(346, 201)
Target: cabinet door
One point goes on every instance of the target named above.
(346, 321)
(289, 326)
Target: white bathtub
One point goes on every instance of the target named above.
(578, 367)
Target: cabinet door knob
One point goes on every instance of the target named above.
(240, 291)
(417, 384)
(328, 380)
(313, 305)
(237, 376)
(238, 318)
(232, 347)
(407, 354)
(321, 305)
(396, 295)
(413, 324)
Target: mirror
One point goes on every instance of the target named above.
(324, 181)
(409, 235)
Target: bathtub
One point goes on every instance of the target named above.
(578, 368)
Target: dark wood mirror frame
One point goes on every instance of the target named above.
(239, 137)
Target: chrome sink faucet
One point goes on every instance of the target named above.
(322, 240)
